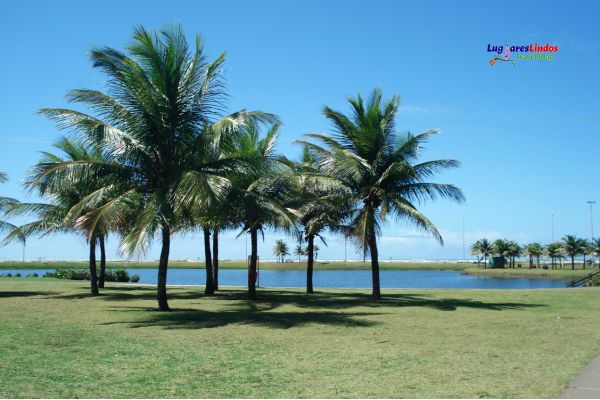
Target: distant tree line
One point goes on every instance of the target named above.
(569, 248)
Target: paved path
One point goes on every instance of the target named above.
(586, 385)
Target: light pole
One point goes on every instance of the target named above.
(463, 239)
(591, 203)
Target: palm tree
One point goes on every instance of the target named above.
(321, 203)
(572, 247)
(554, 251)
(60, 214)
(514, 251)
(299, 251)
(316, 249)
(486, 249)
(258, 194)
(281, 250)
(160, 97)
(595, 249)
(6, 202)
(501, 247)
(377, 167)
(584, 249)
(533, 250)
(476, 251)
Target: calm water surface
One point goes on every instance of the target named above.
(340, 279)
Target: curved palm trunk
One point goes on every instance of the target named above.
(252, 265)
(93, 272)
(309, 264)
(374, 263)
(209, 288)
(163, 264)
(102, 276)
(215, 254)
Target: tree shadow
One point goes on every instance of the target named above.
(125, 294)
(331, 300)
(5, 294)
(203, 319)
(329, 308)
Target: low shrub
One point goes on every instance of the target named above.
(135, 278)
(117, 275)
(17, 275)
(595, 281)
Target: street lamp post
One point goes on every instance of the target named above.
(591, 203)
(463, 241)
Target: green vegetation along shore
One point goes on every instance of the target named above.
(240, 264)
(60, 342)
(467, 268)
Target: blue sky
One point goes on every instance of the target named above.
(528, 135)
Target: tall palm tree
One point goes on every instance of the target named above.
(595, 249)
(6, 202)
(533, 250)
(280, 250)
(554, 251)
(514, 251)
(584, 249)
(572, 247)
(378, 167)
(321, 203)
(151, 120)
(60, 214)
(487, 249)
(476, 251)
(299, 251)
(258, 195)
(501, 248)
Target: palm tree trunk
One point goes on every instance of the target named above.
(584, 261)
(163, 264)
(209, 288)
(252, 266)
(572, 262)
(93, 273)
(102, 276)
(215, 255)
(484, 261)
(538, 261)
(374, 262)
(309, 264)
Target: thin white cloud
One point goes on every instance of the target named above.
(425, 109)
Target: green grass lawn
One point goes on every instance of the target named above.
(55, 341)
(565, 273)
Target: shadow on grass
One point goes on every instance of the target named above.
(5, 294)
(202, 319)
(233, 307)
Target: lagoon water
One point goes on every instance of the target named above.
(340, 279)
